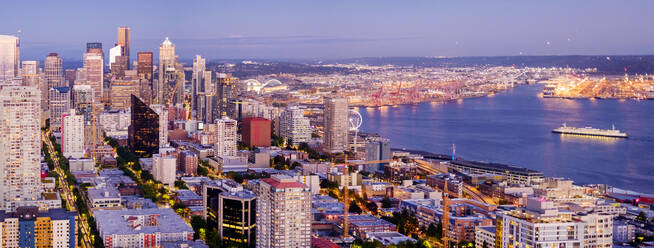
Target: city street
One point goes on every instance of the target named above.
(66, 193)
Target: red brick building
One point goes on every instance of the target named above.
(255, 132)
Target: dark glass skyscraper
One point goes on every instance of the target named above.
(237, 222)
(144, 129)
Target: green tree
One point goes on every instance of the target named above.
(386, 202)
(642, 217)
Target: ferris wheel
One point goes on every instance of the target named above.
(354, 120)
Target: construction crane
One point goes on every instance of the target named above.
(346, 200)
(445, 220)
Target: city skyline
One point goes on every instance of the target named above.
(296, 30)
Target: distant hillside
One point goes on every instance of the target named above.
(604, 64)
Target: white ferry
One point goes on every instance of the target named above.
(591, 131)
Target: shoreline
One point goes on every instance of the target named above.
(444, 157)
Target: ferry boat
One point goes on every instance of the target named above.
(590, 131)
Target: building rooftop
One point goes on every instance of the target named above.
(102, 193)
(125, 221)
(283, 181)
(243, 194)
(187, 195)
(497, 167)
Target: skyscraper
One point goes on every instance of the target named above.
(294, 126)
(144, 129)
(238, 218)
(123, 41)
(82, 96)
(283, 212)
(20, 143)
(336, 124)
(53, 70)
(121, 92)
(59, 102)
(162, 111)
(197, 80)
(31, 73)
(226, 140)
(170, 87)
(94, 65)
(9, 57)
(201, 90)
(31, 67)
(377, 149)
(144, 67)
(117, 61)
(224, 92)
(94, 47)
(72, 135)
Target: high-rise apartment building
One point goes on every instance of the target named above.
(29, 227)
(226, 137)
(294, 127)
(541, 224)
(9, 57)
(255, 132)
(187, 162)
(72, 135)
(20, 143)
(336, 113)
(31, 67)
(82, 96)
(162, 111)
(31, 73)
(94, 65)
(283, 213)
(170, 87)
(144, 129)
(53, 70)
(123, 42)
(377, 148)
(224, 92)
(59, 103)
(163, 168)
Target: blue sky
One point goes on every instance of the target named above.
(336, 29)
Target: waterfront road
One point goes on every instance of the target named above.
(428, 167)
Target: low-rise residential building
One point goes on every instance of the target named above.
(104, 198)
(623, 231)
(188, 198)
(485, 236)
(390, 238)
(141, 227)
(29, 227)
(541, 224)
(454, 184)
(361, 225)
(229, 163)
